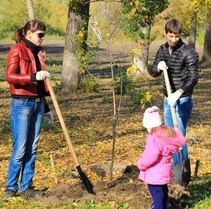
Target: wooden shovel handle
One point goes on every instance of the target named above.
(61, 120)
(168, 87)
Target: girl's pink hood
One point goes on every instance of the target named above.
(167, 144)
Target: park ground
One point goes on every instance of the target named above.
(88, 117)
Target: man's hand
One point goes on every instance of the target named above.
(162, 66)
(172, 98)
(42, 75)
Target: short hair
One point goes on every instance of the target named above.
(173, 26)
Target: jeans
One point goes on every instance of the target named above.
(159, 195)
(183, 110)
(26, 122)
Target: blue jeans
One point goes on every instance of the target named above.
(159, 195)
(26, 122)
(183, 110)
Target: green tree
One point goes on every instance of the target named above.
(14, 14)
(138, 17)
(190, 12)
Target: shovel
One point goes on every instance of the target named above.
(182, 171)
(82, 174)
(173, 113)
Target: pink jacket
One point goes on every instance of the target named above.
(155, 163)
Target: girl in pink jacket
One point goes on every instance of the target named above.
(155, 163)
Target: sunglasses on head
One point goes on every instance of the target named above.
(40, 35)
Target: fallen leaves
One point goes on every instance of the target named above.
(89, 121)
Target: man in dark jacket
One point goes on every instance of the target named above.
(181, 62)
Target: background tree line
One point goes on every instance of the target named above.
(85, 24)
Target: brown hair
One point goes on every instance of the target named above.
(173, 26)
(31, 25)
(164, 129)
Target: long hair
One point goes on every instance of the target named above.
(164, 130)
(31, 25)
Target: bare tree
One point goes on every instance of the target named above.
(29, 4)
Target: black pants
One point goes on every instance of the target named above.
(159, 195)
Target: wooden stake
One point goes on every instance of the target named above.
(52, 165)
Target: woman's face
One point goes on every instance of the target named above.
(36, 37)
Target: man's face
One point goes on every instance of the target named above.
(172, 38)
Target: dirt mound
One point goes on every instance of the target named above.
(127, 189)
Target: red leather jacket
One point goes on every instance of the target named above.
(20, 66)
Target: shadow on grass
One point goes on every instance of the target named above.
(199, 190)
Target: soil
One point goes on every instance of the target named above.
(125, 186)
(126, 190)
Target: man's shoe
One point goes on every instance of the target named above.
(9, 193)
(31, 192)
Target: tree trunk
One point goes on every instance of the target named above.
(140, 63)
(192, 36)
(78, 18)
(206, 57)
(140, 60)
(70, 67)
(29, 4)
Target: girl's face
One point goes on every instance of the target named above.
(36, 37)
(172, 38)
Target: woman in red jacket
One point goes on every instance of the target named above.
(25, 74)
